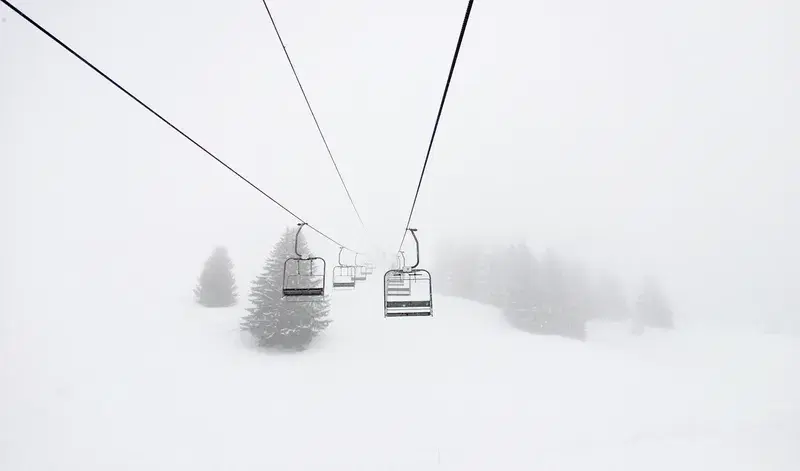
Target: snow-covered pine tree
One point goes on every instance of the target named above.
(275, 322)
(502, 266)
(560, 298)
(652, 308)
(216, 286)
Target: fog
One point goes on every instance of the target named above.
(640, 138)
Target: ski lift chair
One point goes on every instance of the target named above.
(408, 291)
(343, 275)
(303, 276)
(360, 274)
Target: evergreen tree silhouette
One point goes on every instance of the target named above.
(217, 285)
(274, 321)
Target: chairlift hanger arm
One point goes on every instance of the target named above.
(297, 238)
(416, 242)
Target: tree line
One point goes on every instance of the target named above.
(546, 294)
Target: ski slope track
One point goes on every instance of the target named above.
(180, 387)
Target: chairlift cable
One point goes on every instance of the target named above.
(438, 117)
(313, 115)
(167, 122)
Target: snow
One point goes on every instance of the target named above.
(180, 387)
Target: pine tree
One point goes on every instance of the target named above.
(652, 308)
(216, 286)
(519, 295)
(481, 260)
(577, 301)
(508, 270)
(553, 293)
(562, 299)
(276, 322)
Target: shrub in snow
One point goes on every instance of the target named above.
(217, 285)
(275, 322)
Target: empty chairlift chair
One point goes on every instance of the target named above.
(343, 275)
(408, 291)
(359, 272)
(303, 276)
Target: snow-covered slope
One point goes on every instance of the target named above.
(179, 387)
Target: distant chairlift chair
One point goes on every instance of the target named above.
(360, 273)
(343, 275)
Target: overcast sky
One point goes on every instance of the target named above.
(640, 137)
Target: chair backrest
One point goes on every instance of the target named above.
(304, 277)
